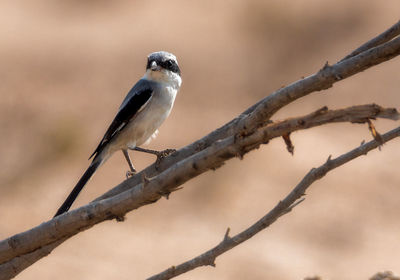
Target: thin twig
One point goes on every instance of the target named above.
(283, 207)
(384, 37)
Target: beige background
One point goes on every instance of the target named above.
(66, 66)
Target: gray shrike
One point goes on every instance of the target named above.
(143, 110)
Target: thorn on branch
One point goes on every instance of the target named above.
(167, 193)
(212, 263)
(226, 236)
(323, 73)
(326, 66)
(171, 270)
(117, 217)
(288, 142)
(164, 194)
(120, 218)
(328, 160)
(321, 111)
(295, 204)
(217, 165)
(176, 189)
(375, 133)
(241, 152)
(145, 180)
(288, 209)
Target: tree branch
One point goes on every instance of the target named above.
(236, 138)
(150, 190)
(283, 207)
(260, 113)
(384, 37)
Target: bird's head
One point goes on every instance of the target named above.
(163, 67)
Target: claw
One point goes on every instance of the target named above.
(165, 153)
(130, 173)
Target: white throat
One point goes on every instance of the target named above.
(164, 76)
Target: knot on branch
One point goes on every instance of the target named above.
(118, 217)
(211, 262)
(328, 71)
(13, 242)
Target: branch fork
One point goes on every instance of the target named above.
(243, 134)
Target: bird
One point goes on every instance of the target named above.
(144, 109)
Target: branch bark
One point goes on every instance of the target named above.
(261, 112)
(283, 207)
(239, 136)
(17, 252)
(384, 37)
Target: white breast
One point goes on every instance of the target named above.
(143, 127)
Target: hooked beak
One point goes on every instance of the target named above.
(153, 66)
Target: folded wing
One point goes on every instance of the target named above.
(134, 102)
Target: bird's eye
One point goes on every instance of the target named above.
(169, 63)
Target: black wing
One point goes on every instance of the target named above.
(137, 97)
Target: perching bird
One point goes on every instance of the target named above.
(143, 110)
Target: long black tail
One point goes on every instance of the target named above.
(79, 186)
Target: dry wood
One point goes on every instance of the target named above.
(260, 113)
(241, 135)
(384, 37)
(39, 241)
(283, 207)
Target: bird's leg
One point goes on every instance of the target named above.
(160, 154)
(132, 170)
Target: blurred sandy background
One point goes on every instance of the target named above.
(67, 65)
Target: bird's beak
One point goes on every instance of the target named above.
(153, 66)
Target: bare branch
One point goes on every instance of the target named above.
(283, 207)
(57, 230)
(241, 135)
(384, 37)
(258, 114)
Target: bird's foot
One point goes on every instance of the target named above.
(130, 173)
(162, 154)
(165, 153)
